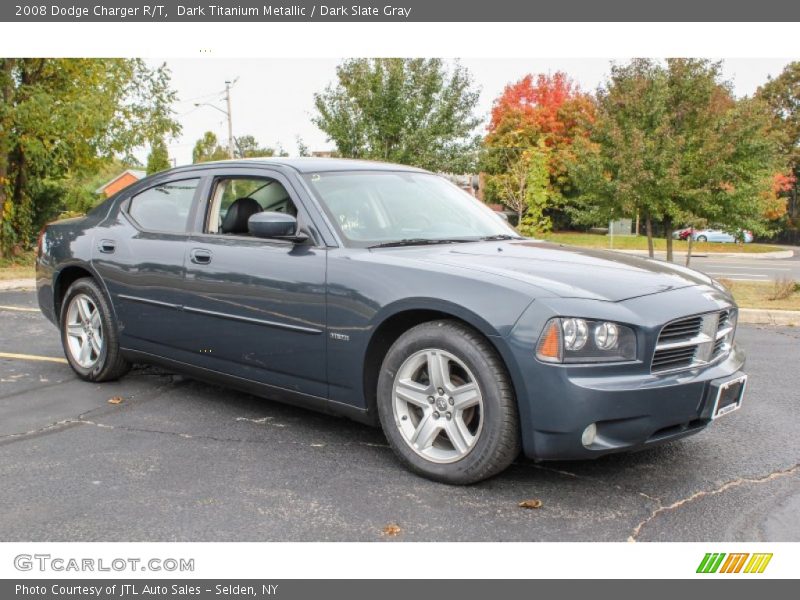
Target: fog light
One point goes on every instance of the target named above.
(589, 434)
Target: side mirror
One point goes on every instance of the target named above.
(275, 225)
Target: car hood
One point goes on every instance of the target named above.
(565, 271)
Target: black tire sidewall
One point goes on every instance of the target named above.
(89, 288)
(477, 357)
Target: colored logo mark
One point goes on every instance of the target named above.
(735, 562)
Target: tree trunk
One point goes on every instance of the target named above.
(668, 233)
(689, 249)
(648, 224)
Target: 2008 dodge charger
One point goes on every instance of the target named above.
(386, 294)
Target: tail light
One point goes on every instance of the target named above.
(39, 242)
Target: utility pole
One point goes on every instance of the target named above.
(230, 119)
(227, 113)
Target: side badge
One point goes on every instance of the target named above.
(340, 336)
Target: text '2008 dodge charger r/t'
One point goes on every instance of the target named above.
(386, 294)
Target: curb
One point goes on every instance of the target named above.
(760, 316)
(18, 284)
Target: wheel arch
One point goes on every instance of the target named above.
(68, 275)
(399, 318)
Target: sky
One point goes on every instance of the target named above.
(273, 99)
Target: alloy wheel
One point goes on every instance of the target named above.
(84, 331)
(438, 405)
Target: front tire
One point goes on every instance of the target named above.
(89, 334)
(446, 404)
(702, 238)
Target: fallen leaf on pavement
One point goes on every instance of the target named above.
(533, 503)
(392, 530)
(115, 400)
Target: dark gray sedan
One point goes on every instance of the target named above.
(388, 295)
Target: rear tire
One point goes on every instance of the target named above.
(446, 404)
(702, 238)
(89, 335)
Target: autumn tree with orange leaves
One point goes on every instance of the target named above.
(536, 116)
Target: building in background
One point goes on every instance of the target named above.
(120, 182)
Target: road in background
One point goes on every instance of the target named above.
(747, 268)
(172, 459)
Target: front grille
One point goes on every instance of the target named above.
(674, 358)
(693, 341)
(682, 329)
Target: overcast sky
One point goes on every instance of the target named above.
(273, 98)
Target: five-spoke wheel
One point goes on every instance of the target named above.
(438, 405)
(89, 333)
(84, 331)
(446, 403)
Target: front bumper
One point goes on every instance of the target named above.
(630, 412)
(631, 407)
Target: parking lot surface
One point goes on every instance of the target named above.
(172, 459)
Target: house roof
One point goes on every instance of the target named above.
(137, 173)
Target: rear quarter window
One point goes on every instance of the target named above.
(165, 207)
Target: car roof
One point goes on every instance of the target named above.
(306, 164)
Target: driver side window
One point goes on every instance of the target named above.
(235, 200)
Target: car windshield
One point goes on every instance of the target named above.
(380, 208)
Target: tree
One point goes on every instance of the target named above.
(158, 159)
(246, 146)
(782, 95)
(61, 118)
(671, 142)
(545, 109)
(524, 187)
(207, 148)
(302, 149)
(410, 111)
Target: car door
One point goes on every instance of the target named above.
(257, 306)
(139, 252)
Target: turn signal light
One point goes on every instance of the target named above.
(549, 349)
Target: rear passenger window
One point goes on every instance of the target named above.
(165, 207)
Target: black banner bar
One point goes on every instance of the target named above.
(403, 10)
(401, 589)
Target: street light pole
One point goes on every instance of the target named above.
(227, 113)
(230, 119)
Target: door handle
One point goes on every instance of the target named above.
(107, 246)
(199, 256)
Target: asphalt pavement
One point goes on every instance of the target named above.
(172, 459)
(747, 268)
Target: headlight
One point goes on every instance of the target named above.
(574, 340)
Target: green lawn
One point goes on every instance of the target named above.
(592, 240)
(755, 294)
(18, 267)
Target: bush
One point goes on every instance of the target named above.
(783, 288)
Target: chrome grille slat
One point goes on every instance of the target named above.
(692, 341)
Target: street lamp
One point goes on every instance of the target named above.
(227, 113)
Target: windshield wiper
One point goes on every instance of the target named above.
(501, 236)
(418, 242)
